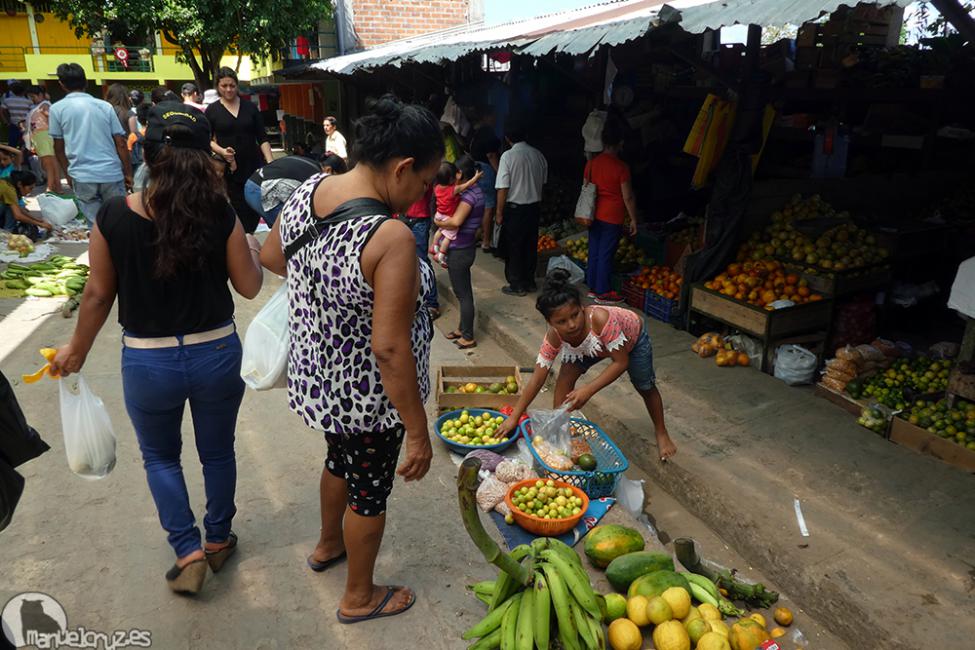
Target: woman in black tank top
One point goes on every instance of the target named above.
(167, 255)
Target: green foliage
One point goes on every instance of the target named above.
(205, 29)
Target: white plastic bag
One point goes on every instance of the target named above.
(265, 355)
(795, 364)
(56, 210)
(630, 495)
(89, 440)
(576, 274)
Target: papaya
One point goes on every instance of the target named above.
(606, 543)
(747, 634)
(622, 571)
(655, 583)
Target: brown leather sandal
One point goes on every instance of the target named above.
(216, 559)
(187, 579)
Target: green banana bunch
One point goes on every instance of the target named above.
(705, 591)
(520, 617)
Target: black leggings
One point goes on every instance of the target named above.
(459, 263)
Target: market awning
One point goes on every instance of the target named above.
(583, 30)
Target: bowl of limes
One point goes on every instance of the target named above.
(468, 429)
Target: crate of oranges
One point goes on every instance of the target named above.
(761, 283)
(660, 286)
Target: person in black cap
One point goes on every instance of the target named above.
(167, 254)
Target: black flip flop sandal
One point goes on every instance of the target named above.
(466, 346)
(453, 336)
(318, 567)
(216, 559)
(378, 611)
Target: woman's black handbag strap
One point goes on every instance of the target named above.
(353, 209)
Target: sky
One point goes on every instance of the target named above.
(500, 11)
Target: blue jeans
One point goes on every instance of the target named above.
(421, 233)
(641, 371)
(604, 238)
(157, 384)
(91, 196)
(252, 195)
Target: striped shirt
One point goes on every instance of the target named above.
(17, 107)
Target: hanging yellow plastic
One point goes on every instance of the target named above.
(48, 354)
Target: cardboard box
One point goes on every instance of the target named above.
(914, 437)
(448, 376)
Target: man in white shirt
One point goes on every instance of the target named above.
(334, 141)
(522, 172)
(15, 105)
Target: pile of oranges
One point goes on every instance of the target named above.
(547, 243)
(661, 280)
(761, 283)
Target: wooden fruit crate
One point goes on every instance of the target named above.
(456, 376)
(772, 327)
(914, 437)
(843, 283)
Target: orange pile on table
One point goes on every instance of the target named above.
(547, 243)
(761, 283)
(661, 280)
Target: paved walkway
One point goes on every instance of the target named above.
(97, 547)
(890, 561)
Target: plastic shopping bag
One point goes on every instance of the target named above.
(89, 439)
(265, 355)
(576, 275)
(56, 210)
(551, 437)
(795, 365)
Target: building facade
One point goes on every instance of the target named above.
(380, 21)
(33, 42)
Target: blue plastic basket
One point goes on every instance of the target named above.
(465, 449)
(663, 309)
(610, 461)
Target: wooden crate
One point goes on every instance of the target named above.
(458, 375)
(843, 283)
(842, 400)
(914, 437)
(760, 322)
(806, 324)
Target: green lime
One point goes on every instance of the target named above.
(587, 462)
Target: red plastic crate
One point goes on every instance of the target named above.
(634, 296)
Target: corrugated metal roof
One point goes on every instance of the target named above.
(589, 25)
(763, 12)
(582, 30)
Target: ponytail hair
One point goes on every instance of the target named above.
(557, 292)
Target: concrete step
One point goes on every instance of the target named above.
(889, 561)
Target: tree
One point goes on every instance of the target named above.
(203, 29)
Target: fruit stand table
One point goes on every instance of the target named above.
(808, 323)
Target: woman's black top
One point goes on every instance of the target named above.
(244, 133)
(196, 299)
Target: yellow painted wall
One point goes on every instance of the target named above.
(58, 44)
(14, 31)
(52, 32)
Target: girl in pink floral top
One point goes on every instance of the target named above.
(580, 337)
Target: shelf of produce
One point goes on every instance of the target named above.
(457, 376)
(914, 437)
(772, 327)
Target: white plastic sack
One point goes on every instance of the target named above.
(795, 364)
(56, 210)
(89, 440)
(265, 355)
(630, 495)
(576, 274)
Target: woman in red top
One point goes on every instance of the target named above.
(614, 199)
